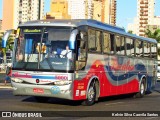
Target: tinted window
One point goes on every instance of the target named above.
(106, 43)
(154, 51)
(129, 47)
(94, 41)
(139, 48)
(146, 49)
(91, 40)
(120, 48)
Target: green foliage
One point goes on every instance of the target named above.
(155, 34)
(130, 31)
(9, 44)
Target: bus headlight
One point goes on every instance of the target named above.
(63, 82)
(17, 80)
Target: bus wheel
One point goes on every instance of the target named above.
(91, 95)
(41, 99)
(142, 90)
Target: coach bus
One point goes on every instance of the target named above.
(98, 60)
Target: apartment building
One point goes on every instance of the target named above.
(102, 10)
(0, 24)
(19, 11)
(58, 10)
(145, 17)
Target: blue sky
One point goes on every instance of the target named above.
(126, 11)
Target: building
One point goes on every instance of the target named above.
(18, 11)
(0, 24)
(102, 10)
(145, 17)
(153, 27)
(112, 12)
(77, 8)
(59, 10)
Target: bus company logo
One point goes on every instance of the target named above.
(55, 90)
(126, 67)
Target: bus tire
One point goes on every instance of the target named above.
(142, 90)
(91, 95)
(41, 99)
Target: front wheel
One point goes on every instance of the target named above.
(91, 95)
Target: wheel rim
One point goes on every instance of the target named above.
(142, 88)
(91, 94)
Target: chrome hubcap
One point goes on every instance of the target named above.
(142, 88)
(91, 94)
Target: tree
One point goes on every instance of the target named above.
(155, 34)
(1, 35)
(9, 43)
(130, 31)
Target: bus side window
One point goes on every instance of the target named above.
(81, 51)
(112, 38)
(106, 43)
(98, 41)
(154, 51)
(146, 49)
(118, 44)
(91, 40)
(139, 48)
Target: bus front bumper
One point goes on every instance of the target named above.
(64, 92)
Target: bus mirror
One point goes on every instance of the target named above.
(5, 38)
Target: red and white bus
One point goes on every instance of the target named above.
(81, 60)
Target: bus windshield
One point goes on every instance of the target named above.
(44, 49)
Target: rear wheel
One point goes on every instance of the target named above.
(91, 95)
(41, 99)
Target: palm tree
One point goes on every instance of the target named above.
(9, 44)
(155, 34)
(130, 31)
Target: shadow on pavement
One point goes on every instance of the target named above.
(54, 101)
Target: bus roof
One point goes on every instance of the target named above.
(80, 22)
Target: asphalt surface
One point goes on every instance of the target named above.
(66, 109)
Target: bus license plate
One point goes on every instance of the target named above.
(38, 90)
